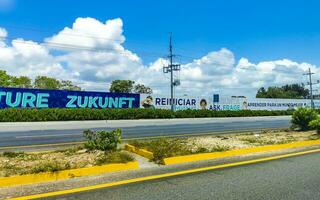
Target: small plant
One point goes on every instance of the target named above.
(114, 157)
(163, 148)
(315, 124)
(302, 117)
(10, 154)
(102, 140)
(47, 167)
(220, 148)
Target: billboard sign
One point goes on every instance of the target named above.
(186, 102)
(38, 98)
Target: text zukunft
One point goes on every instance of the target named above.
(42, 100)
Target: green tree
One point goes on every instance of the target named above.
(21, 82)
(293, 91)
(4, 79)
(44, 82)
(68, 85)
(142, 89)
(121, 86)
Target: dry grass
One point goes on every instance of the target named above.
(12, 163)
(168, 147)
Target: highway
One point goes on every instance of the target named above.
(39, 133)
(292, 178)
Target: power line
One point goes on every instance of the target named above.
(76, 47)
(170, 69)
(310, 83)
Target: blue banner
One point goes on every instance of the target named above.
(38, 98)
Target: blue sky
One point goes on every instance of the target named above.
(231, 46)
(258, 30)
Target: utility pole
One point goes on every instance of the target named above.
(170, 69)
(310, 84)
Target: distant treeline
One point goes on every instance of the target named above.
(293, 91)
(40, 82)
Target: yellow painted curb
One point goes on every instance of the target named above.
(159, 176)
(237, 152)
(141, 152)
(66, 174)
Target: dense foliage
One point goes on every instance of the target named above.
(28, 115)
(315, 124)
(294, 91)
(102, 140)
(302, 117)
(40, 82)
(128, 86)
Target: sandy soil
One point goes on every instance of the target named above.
(24, 163)
(249, 140)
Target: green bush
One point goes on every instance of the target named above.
(67, 114)
(102, 140)
(302, 117)
(315, 124)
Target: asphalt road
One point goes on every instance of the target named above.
(286, 179)
(21, 134)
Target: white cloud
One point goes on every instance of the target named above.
(3, 33)
(91, 53)
(89, 33)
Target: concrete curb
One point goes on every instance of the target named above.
(237, 152)
(66, 174)
(225, 154)
(141, 152)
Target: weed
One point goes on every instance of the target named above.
(10, 154)
(114, 157)
(220, 148)
(51, 166)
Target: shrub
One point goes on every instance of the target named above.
(10, 154)
(315, 124)
(68, 114)
(302, 117)
(52, 166)
(163, 148)
(102, 140)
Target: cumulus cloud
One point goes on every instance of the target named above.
(91, 53)
(3, 33)
(89, 33)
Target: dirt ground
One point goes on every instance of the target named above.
(239, 141)
(12, 163)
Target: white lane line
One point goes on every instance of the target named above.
(43, 136)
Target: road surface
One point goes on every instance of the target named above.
(21, 134)
(293, 178)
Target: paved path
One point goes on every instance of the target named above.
(19, 134)
(292, 178)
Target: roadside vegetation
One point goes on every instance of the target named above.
(101, 147)
(29, 115)
(304, 122)
(170, 147)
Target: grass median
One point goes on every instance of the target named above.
(21, 163)
(100, 148)
(171, 147)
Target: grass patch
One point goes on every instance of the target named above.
(9, 154)
(169, 147)
(52, 166)
(12, 163)
(114, 157)
(163, 148)
(70, 151)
